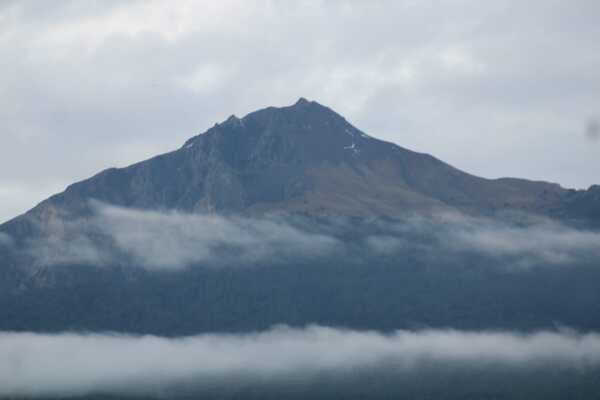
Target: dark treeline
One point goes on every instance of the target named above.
(360, 291)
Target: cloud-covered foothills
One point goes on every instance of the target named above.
(172, 240)
(80, 364)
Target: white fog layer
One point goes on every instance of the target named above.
(172, 240)
(76, 364)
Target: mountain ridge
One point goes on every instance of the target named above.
(306, 158)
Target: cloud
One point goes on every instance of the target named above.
(518, 240)
(35, 365)
(592, 129)
(13, 192)
(548, 244)
(173, 240)
(5, 240)
(77, 248)
(385, 244)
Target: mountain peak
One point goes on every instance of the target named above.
(302, 157)
(302, 101)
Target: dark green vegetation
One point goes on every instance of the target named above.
(356, 287)
(385, 296)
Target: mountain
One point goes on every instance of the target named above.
(306, 158)
(292, 215)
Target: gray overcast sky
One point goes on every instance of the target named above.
(502, 88)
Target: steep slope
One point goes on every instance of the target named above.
(303, 158)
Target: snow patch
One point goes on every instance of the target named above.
(353, 148)
(352, 131)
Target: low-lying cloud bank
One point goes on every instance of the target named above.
(553, 244)
(519, 239)
(172, 240)
(35, 365)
